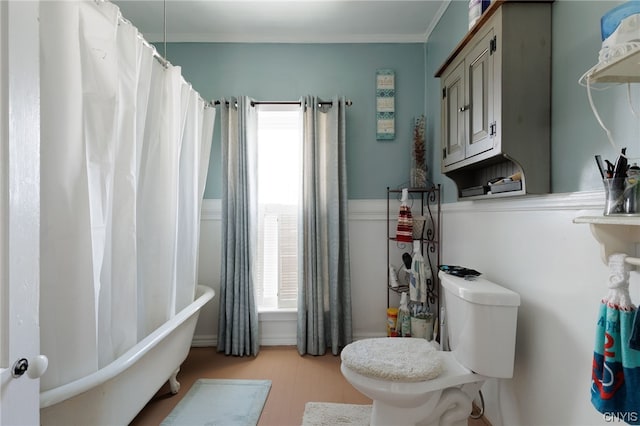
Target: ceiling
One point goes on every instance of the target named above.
(288, 21)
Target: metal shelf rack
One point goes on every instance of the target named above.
(429, 206)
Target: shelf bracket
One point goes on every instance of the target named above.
(615, 235)
(613, 239)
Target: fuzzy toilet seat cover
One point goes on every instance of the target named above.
(401, 359)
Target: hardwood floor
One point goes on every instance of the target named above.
(296, 380)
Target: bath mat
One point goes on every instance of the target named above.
(220, 402)
(332, 414)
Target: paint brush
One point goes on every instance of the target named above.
(600, 165)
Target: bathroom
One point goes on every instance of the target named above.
(528, 244)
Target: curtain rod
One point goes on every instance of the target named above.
(348, 102)
(156, 55)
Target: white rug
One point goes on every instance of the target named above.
(333, 414)
(214, 402)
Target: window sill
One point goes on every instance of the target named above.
(278, 314)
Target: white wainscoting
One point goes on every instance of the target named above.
(532, 246)
(368, 276)
(529, 244)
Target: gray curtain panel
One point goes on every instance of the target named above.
(238, 317)
(324, 292)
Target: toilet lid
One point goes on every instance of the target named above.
(394, 358)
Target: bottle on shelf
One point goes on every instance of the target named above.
(404, 316)
(419, 275)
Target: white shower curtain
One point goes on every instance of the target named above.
(125, 152)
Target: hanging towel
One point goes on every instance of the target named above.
(404, 231)
(419, 275)
(634, 341)
(616, 366)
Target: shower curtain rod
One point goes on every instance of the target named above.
(165, 64)
(158, 57)
(348, 102)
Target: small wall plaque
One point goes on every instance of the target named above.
(385, 104)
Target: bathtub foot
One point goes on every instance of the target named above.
(174, 384)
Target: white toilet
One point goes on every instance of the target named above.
(411, 382)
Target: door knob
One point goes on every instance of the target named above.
(38, 366)
(34, 369)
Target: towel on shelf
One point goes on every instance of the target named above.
(404, 231)
(615, 376)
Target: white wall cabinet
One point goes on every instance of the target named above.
(496, 100)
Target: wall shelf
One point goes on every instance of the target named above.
(616, 234)
(625, 69)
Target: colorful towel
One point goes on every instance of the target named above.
(634, 341)
(615, 388)
(404, 231)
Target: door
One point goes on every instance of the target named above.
(454, 111)
(481, 92)
(19, 212)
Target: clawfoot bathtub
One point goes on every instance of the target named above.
(115, 394)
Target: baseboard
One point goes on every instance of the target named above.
(204, 341)
(208, 340)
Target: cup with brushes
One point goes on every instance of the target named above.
(621, 185)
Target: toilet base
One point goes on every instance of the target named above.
(448, 407)
(385, 414)
(444, 400)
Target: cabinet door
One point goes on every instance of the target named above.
(480, 65)
(453, 116)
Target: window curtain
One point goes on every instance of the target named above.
(324, 292)
(238, 316)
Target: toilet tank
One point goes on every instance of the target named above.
(481, 319)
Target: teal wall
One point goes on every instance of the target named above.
(450, 30)
(575, 134)
(288, 71)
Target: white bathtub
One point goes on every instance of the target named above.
(115, 394)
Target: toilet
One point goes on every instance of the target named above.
(412, 382)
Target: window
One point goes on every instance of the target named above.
(279, 182)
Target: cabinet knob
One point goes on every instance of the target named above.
(464, 108)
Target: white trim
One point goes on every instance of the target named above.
(19, 403)
(560, 201)
(211, 340)
(361, 210)
(376, 209)
(277, 314)
(358, 209)
(211, 209)
(327, 38)
(436, 19)
(4, 190)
